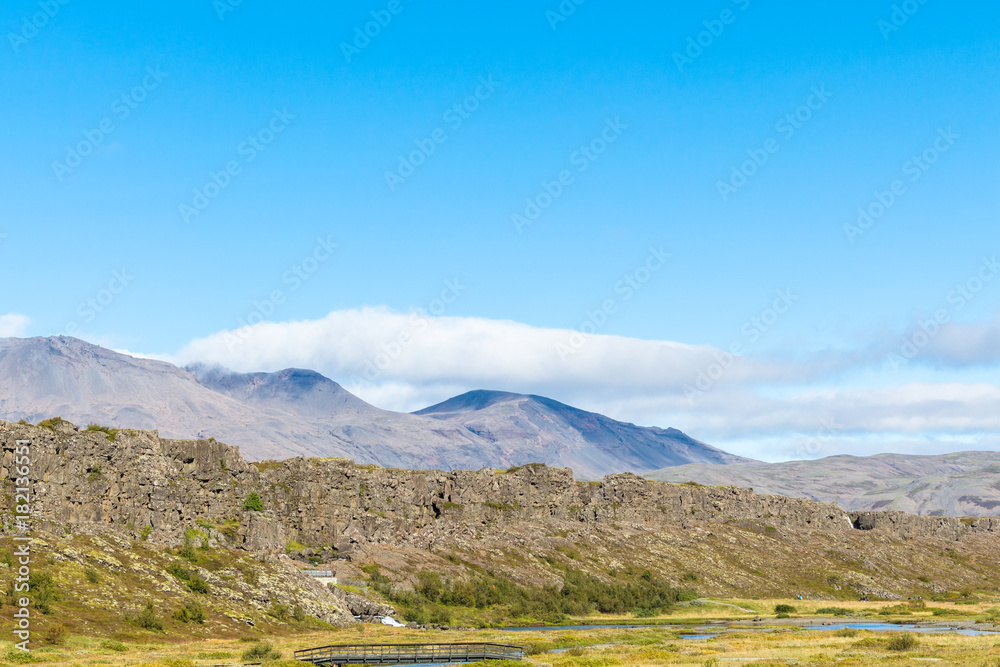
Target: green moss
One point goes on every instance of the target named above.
(51, 424)
(291, 546)
(111, 433)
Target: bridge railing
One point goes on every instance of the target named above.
(391, 654)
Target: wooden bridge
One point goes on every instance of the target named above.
(409, 654)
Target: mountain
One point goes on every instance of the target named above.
(962, 484)
(298, 412)
(570, 437)
(372, 434)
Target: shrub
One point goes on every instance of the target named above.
(55, 634)
(51, 424)
(261, 652)
(253, 503)
(112, 645)
(784, 609)
(197, 585)
(992, 614)
(902, 642)
(111, 433)
(190, 613)
(180, 572)
(147, 619)
(44, 591)
(279, 611)
(92, 576)
(846, 632)
(186, 551)
(298, 614)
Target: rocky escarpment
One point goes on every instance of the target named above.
(143, 485)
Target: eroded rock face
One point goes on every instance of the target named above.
(528, 523)
(360, 605)
(141, 483)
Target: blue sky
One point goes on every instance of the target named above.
(185, 90)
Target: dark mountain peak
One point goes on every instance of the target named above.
(296, 390)
(478, 399)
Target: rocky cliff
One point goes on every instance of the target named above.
(520, 521)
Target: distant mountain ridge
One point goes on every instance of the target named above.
(297, 412)
(586, 439)
(960, 484)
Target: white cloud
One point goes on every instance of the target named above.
(961, 344)
(408, 361)
(13, 325)
(377, 347)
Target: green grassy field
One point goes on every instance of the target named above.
(770, 641)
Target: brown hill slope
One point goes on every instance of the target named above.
(531, 524)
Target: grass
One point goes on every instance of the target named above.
(652, 647)
(111, 433)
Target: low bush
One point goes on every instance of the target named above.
(253, 503)
(261, 652)
(55, 634)
(112, 645)
(148, 620)
(279, 611)
(784, 609)
(197, 585)
(190, 613)
(111, 433)
(902, 642)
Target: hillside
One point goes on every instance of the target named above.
(961, 484)
(533, 525)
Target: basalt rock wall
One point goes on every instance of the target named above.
(157, 489)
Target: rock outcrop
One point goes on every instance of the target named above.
(142, 485)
